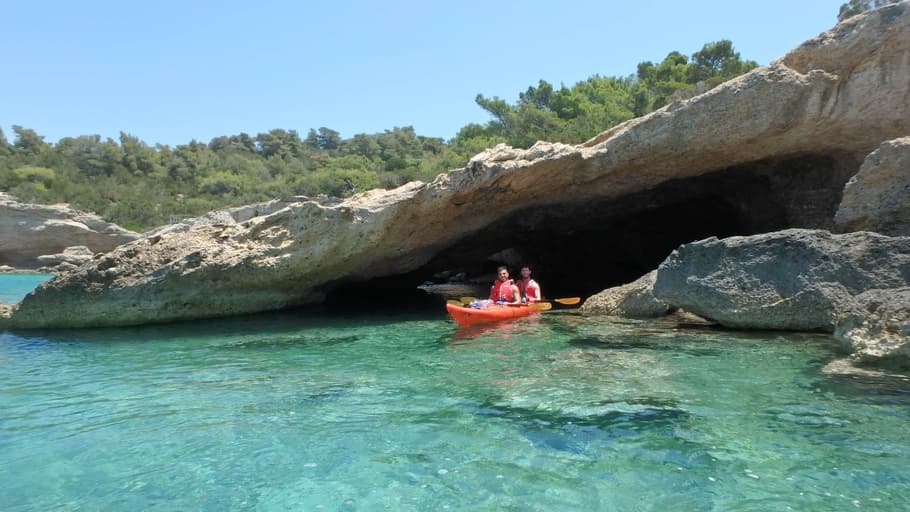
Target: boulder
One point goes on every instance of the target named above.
(876, 199)
(877, 329)
(840, 94)
(794, 279)
(28, 231)
(632, 300)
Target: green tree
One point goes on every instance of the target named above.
(854, 7)
(221, 183)
(138, 158)
(328, 139)
(31, 174)
(280, 143)
(5, 147)
(717, 60)
(29, 142)
(235, 143)
(90, 154)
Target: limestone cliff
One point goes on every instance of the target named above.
(769, 150)
(878, 197)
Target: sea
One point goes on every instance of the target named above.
(403, 410)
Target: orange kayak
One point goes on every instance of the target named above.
(494, 313)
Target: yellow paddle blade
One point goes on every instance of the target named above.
(454, 302)
(569, 301)
(543, 306)
(468, 300)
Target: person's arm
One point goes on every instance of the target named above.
(516, 295)
(539, 292)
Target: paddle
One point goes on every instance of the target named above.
(454, 302)
(543, 306)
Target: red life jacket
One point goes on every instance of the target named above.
(502, 290)
(529, 290)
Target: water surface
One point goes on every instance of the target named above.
(406, 412)
(13, 287)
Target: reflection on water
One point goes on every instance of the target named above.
(552, 412)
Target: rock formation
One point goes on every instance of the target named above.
(769, 150)
(633, 300)
(878, 327)
(854, 285)
(29, 231)
(792, 279)
(878, 197)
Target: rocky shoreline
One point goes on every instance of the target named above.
(784, 158)
(855, 286)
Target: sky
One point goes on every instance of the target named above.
(173, 71)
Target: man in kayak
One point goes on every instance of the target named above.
(528, 289)
(504, 290)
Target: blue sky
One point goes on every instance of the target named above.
(169, 72)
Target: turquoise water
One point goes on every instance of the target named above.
(406, 412)
(13, 287)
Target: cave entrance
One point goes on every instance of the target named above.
(581, 248)
(573, 250)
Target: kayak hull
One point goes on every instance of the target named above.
(494, 313)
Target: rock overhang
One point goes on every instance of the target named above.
(791, 128)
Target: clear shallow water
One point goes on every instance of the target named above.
(13, 287)
(288, 412)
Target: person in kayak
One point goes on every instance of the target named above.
(528, 289)
(504, 290)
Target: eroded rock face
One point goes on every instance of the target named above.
(28, 231)
(878, 328)
(854, 284)
(224, 217)
(633, 300)
(878, 197)
(75, 256)
(839, 94)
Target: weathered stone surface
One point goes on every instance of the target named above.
(842, 93)
(632, 300)
(794, 279)
(28, 231)
(877, 329)
(225, 217)
(75, 255)
(878, 197)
